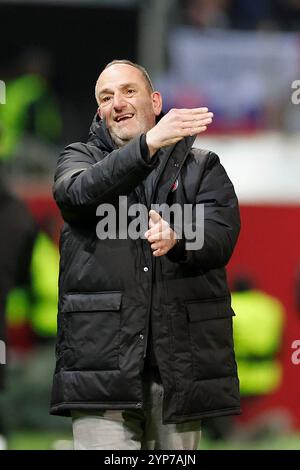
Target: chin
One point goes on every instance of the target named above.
(128, 135)
(125, 135)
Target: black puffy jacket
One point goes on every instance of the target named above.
(111, 289)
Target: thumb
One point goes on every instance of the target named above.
(154, 216)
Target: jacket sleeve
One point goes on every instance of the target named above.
(82, 182)
(221, 223)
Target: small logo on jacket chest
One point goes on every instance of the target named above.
(174, 186)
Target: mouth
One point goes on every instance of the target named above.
(123, 117)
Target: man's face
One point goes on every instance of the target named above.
(126, 102)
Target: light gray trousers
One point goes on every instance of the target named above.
(134, 429)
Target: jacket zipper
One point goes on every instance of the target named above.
(152, 259)
(140, 192)
(151, 267)
(148, 316)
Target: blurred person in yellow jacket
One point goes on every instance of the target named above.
(22, 94)
(31, 108)
(17, 237)
(37, 305)
(31, 320)
(258, 330)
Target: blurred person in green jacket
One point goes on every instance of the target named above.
(31, 312)
(17, 237)
(258, 331)
(31, 109)
(37, 304)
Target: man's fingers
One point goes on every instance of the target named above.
(191, 110)
(156, 246)
(186, 118)
(193, 131)
(155, 237)
(196, 123)
(154, 234)
(155, 227)
(193, 125)
(155, 222)
(158, 253)
(159, 233)
(151, 224)
(162, 246)
(154, 216)
(175, 125)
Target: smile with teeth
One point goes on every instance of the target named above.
(123, 117)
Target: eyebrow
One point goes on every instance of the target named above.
(123, 85)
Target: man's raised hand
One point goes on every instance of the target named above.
(177, 124)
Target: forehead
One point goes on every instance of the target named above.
(118, 75)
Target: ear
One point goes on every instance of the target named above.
(156, 102)
(99, 113)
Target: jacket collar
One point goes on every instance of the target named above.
(100, 136)
(175, 159)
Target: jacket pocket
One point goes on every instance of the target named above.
(211, 338)
(92, 330)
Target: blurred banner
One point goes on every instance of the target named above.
(244, 77)
(265, 167)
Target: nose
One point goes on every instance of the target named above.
(119, 101)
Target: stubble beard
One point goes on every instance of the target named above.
(121, 141)
(118, 140)
(143, 129)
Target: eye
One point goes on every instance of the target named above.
(105, 99)
(130, 91)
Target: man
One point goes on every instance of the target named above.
(144, 345)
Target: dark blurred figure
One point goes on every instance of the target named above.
(205, 14)
(249, 15)
(289, 14)
(17, 236)
(266, 14)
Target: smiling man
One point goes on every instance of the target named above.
(144, 348)
(127, 101)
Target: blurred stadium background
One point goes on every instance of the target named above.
(242, 60)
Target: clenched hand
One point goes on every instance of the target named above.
(160, 235)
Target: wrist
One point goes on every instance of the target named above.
(151, 145)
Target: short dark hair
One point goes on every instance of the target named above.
(133, 64)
